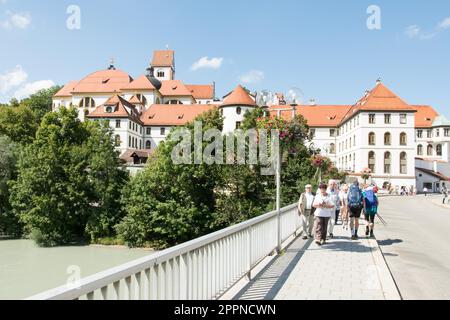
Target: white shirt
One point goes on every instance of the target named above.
(335, 199)
(309, 200)
(323, 212)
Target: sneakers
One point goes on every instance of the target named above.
(305, 237)
(319, 243)
(323, 242)
(371, 234)
(353, 238)
(367, 230)
(331, 236)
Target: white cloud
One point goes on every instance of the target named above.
(444, 24)
(252, 76)
(12, 79)
(205, 62)
(13, 83)
(415, 32)
(16, 20)
(32, 87)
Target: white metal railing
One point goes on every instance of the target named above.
(201, 269)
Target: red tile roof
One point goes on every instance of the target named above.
(316, 116)
(424, 116)
(163, 58)
(134, 100)
(379, 99)
(174, 88)
(66, 91)
(201, 91)
(173, 114)
(239, 97)
(105, 81)
(123, 109)
(141, 83)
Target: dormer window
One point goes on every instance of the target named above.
(109, 109)
(105, 80)
(181, 116)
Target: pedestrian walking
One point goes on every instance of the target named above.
(333, 191)
(306, 210)
(324, 210)
(444, 192)
(425, 191)
(343, 196)
(370, 209)
(355, 204)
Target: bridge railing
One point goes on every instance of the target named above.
(201, 269)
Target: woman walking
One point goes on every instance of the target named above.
(324, 210)
(343, 196)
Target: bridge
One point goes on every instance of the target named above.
(262, 258)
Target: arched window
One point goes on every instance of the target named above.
(332, 148)
(403, 139)
(403, 163)
(439, 150)
(420, 150)
(350, 143)
(117, 141)
(429, 150)
(238, 110)
(387, 163)
(372, 161)
(87, 102)
(86, 113)
(148, 145)
(371, 139)
(387, 139)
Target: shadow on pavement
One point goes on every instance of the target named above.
(269, 281)
(389, 242)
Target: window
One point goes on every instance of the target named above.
(332, 148)
(387, 162)
(160, 74)
(372, 161)
(372, 118)
(403, 118)
(429, 133)
(238, 110)
(163, 131)
(429, 150)
(387, 139)
(354, 141)
(129, 142)
(238, 125)
(149, 131)
(403, 139)
(403, 163)
(371, 139)
(387, 119)
(109, 109)
(420, 150)
(140, 144)
(419, 134)
(447, 132)
(117, 123)
(439, 150)
(87, 102)
(117, 141)
(332, 132)
(350, 144)
(148, 145)
(438, 133)
(312, 132)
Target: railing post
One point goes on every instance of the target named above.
(249, 256)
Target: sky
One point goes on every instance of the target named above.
(332, 50)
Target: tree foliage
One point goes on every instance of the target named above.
(68, 181)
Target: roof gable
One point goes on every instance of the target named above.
(173, 114)
(239, 97)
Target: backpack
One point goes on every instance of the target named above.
(355, 197)
(370, 199)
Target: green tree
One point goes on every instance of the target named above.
(9, 222)
(41, 102)
(18, 123)
(67, 181)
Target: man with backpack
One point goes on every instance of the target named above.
(370, 208)
(306, 210)
(355, 205)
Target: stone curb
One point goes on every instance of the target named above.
(390, 290)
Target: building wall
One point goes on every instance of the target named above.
(231, 117)
(155, 136)
(323, 140)
(169, 74)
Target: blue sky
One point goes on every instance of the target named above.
(323, 47)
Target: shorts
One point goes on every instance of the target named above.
(355, 212)
(370, 217)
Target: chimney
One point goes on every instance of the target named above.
(312, 102)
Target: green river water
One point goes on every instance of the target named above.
(26, 269)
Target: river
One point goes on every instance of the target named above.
(26, 269)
